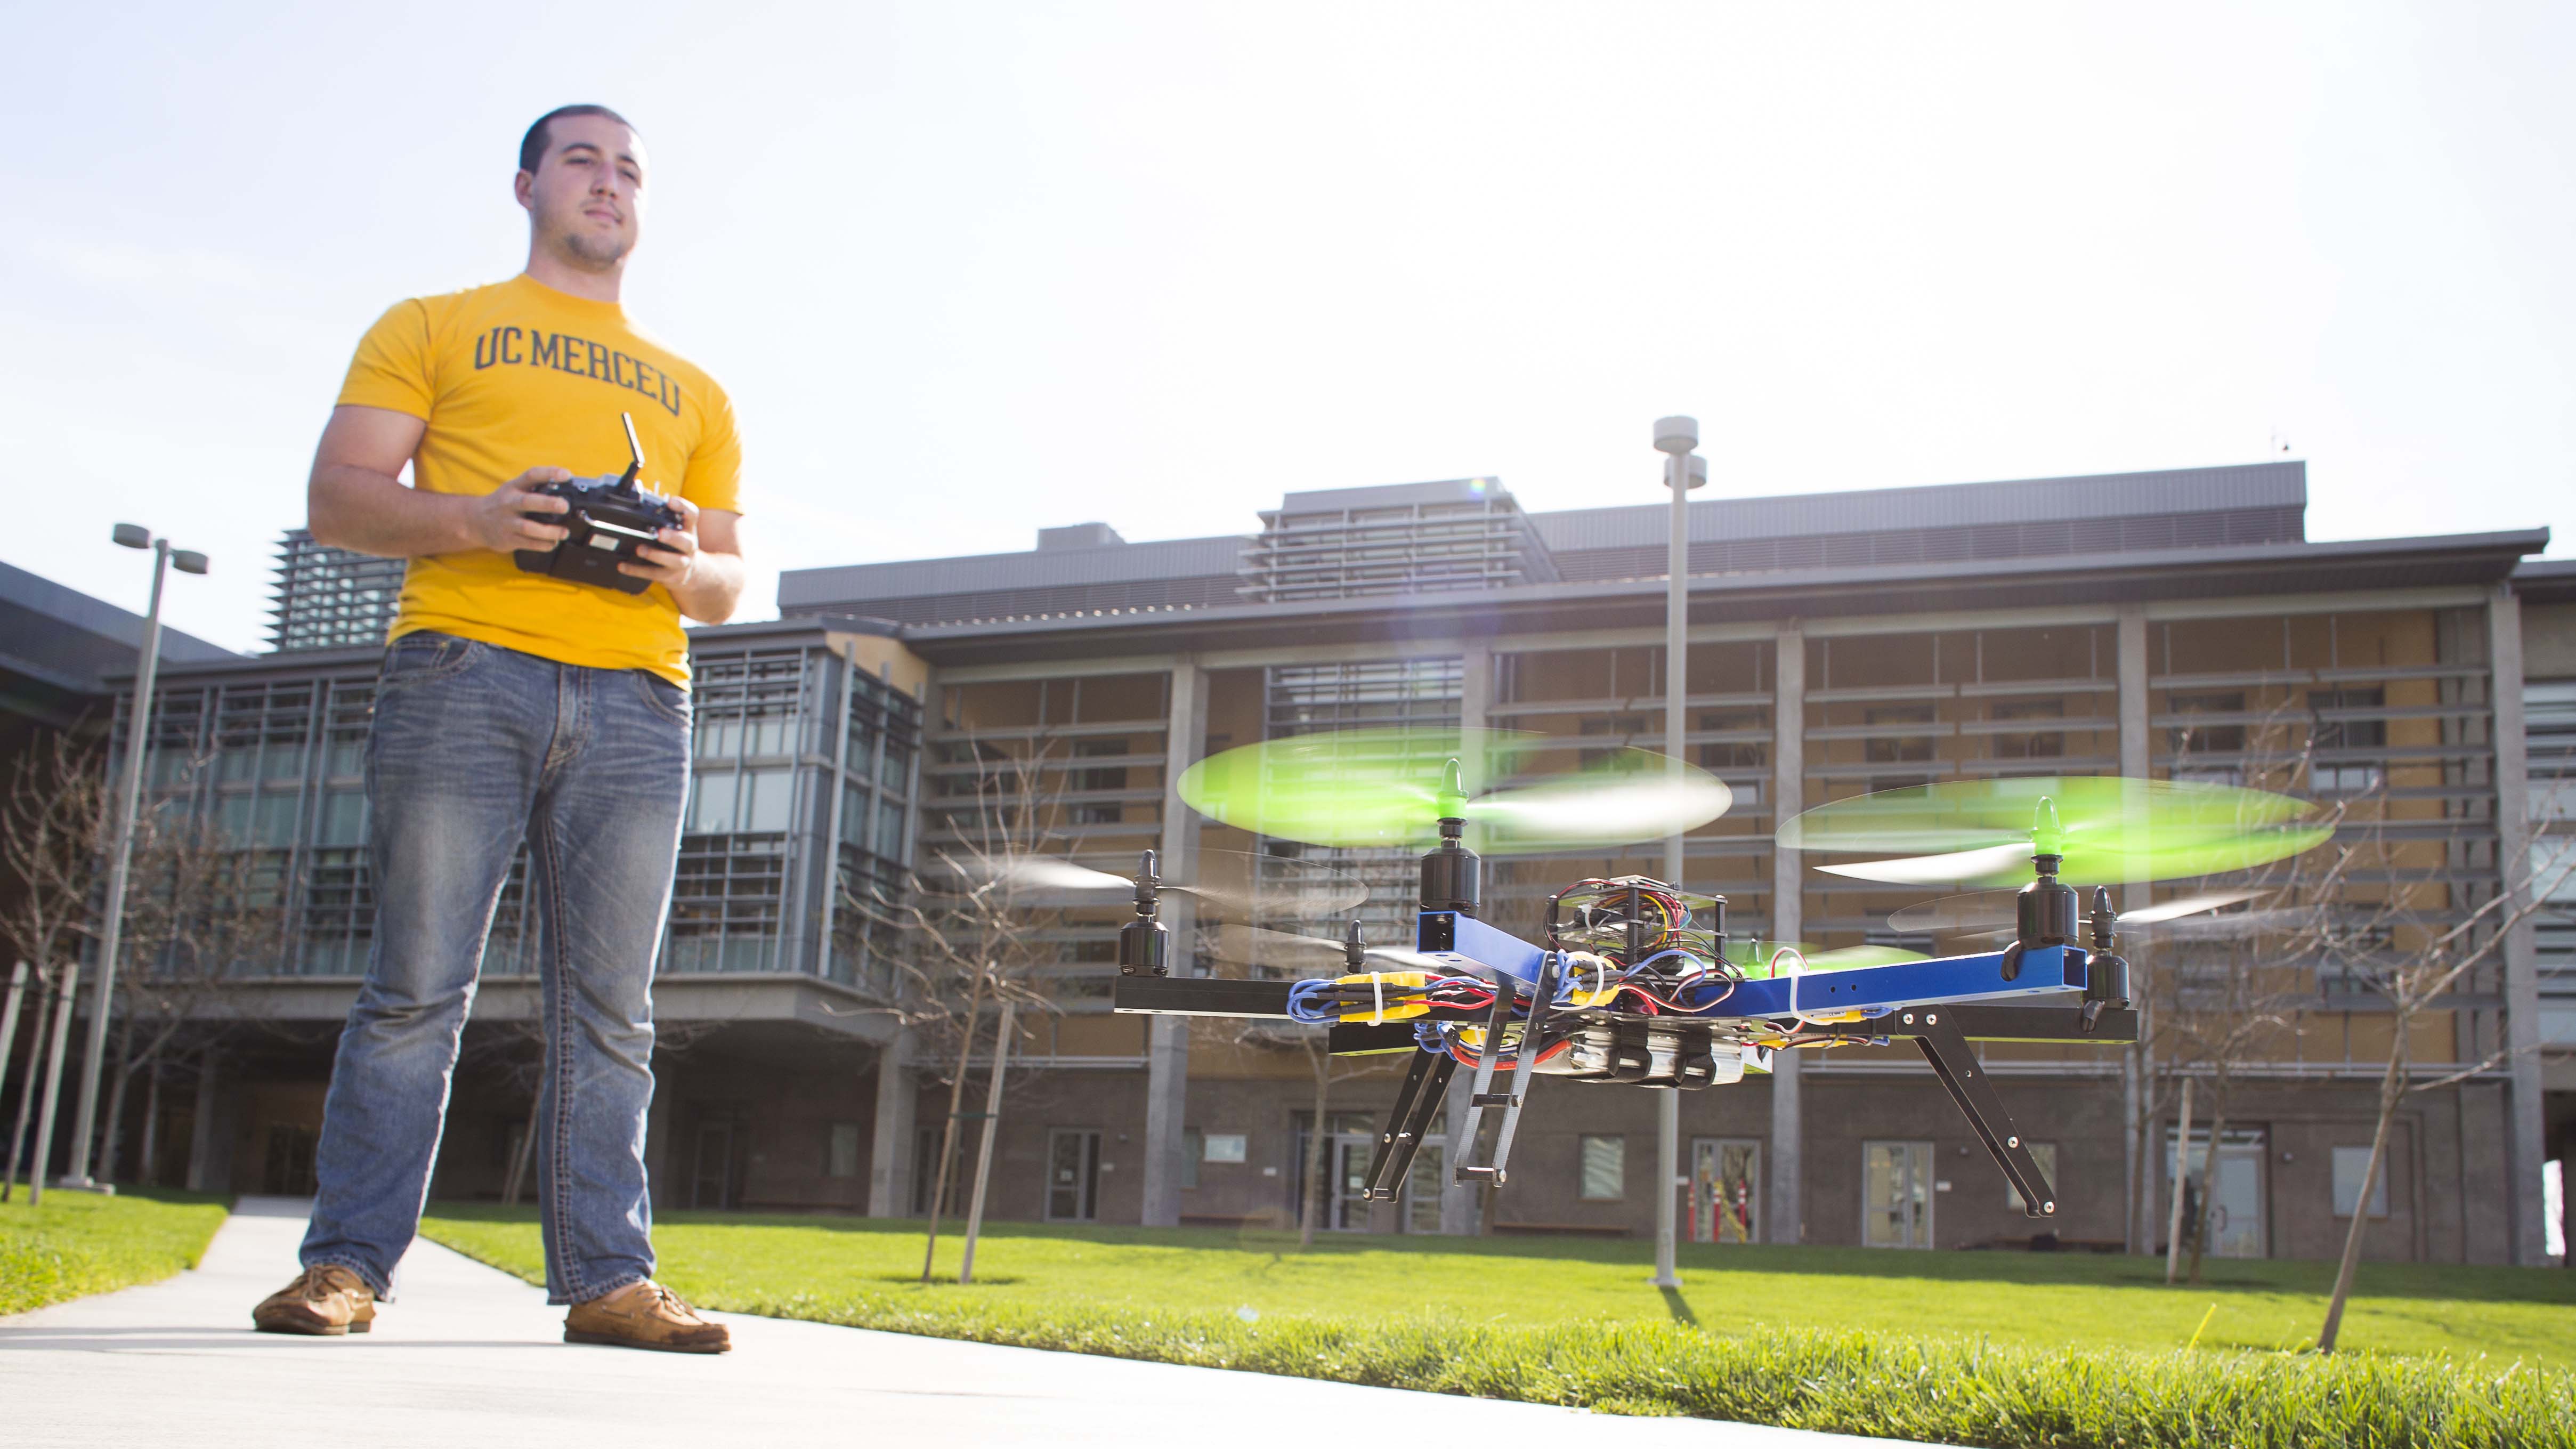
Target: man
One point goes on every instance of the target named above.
(518, 706)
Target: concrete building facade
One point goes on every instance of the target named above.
(2174, 625)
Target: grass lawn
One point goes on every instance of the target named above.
(2013, 1351)
(79, 1243)
(2038, 1300)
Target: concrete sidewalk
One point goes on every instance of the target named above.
(472, 1355)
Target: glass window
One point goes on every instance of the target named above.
(2037, 746)
(841, 1156)
(2223, 736)
(2331, 729)
(1894, 747)
(2349, 1164)
(276, 818)
(890, 830)
(348, 755)
(1193, 1148)
(718, 735)
(766, 735)
(1896, 1194)
(2045, 1153)
(711, 794)
(854, 816)
(1221, 1147)
(233, 818)
(767, 797)
(863, 743)
(1604, 1169)
(344, 817)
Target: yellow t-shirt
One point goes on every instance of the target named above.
(517, 376)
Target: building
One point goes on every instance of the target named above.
(2173, 624)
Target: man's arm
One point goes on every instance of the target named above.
(357, 501)
(700, 562)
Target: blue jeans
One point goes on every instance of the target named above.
(474, 747)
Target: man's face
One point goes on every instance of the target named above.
(586, 197)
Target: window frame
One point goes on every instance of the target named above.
(1584, 1145)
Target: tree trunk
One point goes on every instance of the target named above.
(202, 1145)
(2392, 1090)
(523, 1161)
(27, 1086)
(143, 1170)
(1313, 1212)
(2181, 1186)
(984, 1148)
(111, 1133)
(2208, 1179)
(948, 1134)
(2140, 1209)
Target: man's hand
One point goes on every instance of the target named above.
(673, 563)
(699, 562)
(500, 522)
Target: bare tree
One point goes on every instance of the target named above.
(970, 928)
(53, 822)
(2402, 949)
(203, 906)
(2220, 1008)
(1327, 1071)
(53, 828)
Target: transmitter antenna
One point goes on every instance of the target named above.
(635, 451)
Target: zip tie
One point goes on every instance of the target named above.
(1796, 973)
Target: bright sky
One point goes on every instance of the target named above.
(970, 269)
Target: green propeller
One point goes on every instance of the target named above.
(1520, 793)
(2108, 830)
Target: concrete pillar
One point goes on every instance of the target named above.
(1167, 1047)
(2525, 1147)
(657, 1134)
(2137, 1064)
(210, 1137)
(1460, 1211)
(1786, 1170)
(890, 1142)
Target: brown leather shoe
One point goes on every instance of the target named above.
(644, 1315)
(327, 1300)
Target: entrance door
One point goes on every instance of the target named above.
(711, 1183)
(1073, 1174)
(2237, 1216)
(1425, 1181)
(1896, 1195)
(1346, 1163)
(1726, 1189)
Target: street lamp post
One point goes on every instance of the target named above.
(129, 791)
(1683, 471)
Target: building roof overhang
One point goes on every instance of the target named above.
(2371, 565)
(2546, 580)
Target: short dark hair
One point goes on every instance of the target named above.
(532, 147)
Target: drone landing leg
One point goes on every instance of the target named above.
(1956, 1065)
(1426, 1082)
(1526, 1058)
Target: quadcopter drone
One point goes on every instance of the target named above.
(1636, 981)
